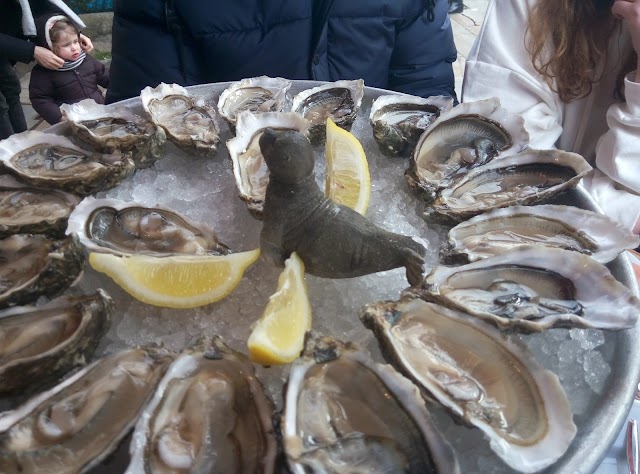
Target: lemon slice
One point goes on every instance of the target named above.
(177, 281)
(348, 180)
(278, 336)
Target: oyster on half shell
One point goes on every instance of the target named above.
(344, 413)
(209, 414)
(483, 379)
(126, 228)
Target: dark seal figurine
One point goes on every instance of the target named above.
(332, 240)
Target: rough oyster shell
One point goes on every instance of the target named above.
(398, 121)
(34, 266)
(526, 178)
(28, 209)
(115, 128)
(73, 426)
(531, 289)
(547, 225)
(188, 121)
(467, 136)
(344, 413)
(256, 94)
(125, 228)
(249, 168)
(339, 100)
(482, 378)
(53, 161)
(208, 414)
(38, 344)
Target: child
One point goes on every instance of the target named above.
(77, 79)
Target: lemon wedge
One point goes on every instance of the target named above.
(184, 281)
(278, 336)
(348, 180)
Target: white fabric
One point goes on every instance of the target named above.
(28, 23)
(604, 131)
(47, 28)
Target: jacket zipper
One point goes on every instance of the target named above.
(81, 84)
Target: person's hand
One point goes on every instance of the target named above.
(85, 43)
(47, 58)
(629, 12)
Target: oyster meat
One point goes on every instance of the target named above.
(532, 288)
(467, 136)
(73, 426)
(523, 179)
(483, 379)
(208, 414)
(28, 209)
(398, 120)
(53, 161)
(249, 168)
(125, 228)
(34, 266)
(111, 128)
(189, 122)
(256, 94)
(339, 100)
(344, 413)
(38, 344)
(547, 225)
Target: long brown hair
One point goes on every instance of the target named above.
(580, 31)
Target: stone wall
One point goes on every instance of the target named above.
(99, 30)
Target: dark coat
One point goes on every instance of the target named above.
(48, 89)
(391, 44)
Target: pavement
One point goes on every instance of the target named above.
(466, 26)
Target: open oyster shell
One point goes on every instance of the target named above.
(34, 266)
(115, 128)
(125, 228)
(38, 344)
(53, 161)
(249, 168)
(188, 121)
(398, 121)
(547, 225)
(28, 209)
(467, 136)
(344, 413)
(339, 100)
(530, 289)
(256, 94)
(482, 378)
(76, 424)
(208, 414)
(526, 178)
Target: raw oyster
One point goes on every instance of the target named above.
(531, 289)
(547, 225)
(344, 413)
(189, 121)
(73, 426)
(53, 161)
(38, 344)
(526, 178)
(399, 120)
(28, 209)
(34, 266)
(208, 414)
(482, 378)
(256, 94)
(469, 135)
(115, 128)
(339, 100)
(249, 169)
(125, 228)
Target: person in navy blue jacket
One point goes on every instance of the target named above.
(401, 45)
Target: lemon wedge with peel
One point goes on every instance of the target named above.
(179, 281)
(348, 180)
(278, 336)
